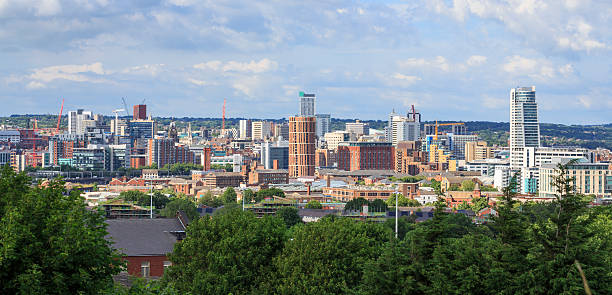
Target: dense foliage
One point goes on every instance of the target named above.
(357, 204)
(181, 204)
(49, 242)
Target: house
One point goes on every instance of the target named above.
(145, 243)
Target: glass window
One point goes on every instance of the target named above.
(145, 269)
(167, 264)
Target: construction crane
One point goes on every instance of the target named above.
(116, 112)
(126, 108)
(223, 123)
(59, 117)
(443, 124)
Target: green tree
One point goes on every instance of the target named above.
(356, 204)
(229, 196)
(209, 200)
(229, 253)
(467, 185)
(50, 243)
(177, 204)
(289, 215)
(402, 201)
(314, 205)
(328, 256)
(269, 192)
(248, 195)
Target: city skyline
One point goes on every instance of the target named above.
(454, 62)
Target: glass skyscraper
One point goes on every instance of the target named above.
(524, 124)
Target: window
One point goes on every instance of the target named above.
(145, 269)
(166, 265)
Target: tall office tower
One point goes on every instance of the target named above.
(459, 130)
(275, 155)
(140, 112)
(302, 146)
(245, 128)
(161, 152)
(388, 129)
(323, 124)
(281, 130)
(404, 129)
(75, 121)
(524, 124)
(261, 130)
(307, 104)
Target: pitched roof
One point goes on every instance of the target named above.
(144, 237)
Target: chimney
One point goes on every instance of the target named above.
(404, 188)
(308, 184)
(275, 164)
(328, 178)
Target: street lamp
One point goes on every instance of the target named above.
(151, 194)
(396, 213)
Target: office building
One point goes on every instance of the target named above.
(275, 155)
(323, 124)
(302, 146)
(403, 129)
(477, 150)
(365, 156)
(206, 158)
(10, 136)
(358, 128)
(281, 131)
(140, 112)
(76, 124)
(524, 124)
(61, 147)
(588, 178)
(334, 138)
(261, 130)
(307, 104)
(458, 143)
(245, 128)
(161, 151)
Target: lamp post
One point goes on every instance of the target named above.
(396, 213)
(151, 194)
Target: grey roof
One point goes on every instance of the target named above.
(144, 236)
(9, 132)
(337, 172)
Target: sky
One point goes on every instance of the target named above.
(453, 60)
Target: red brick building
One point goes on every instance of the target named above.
(145, 243)
(365, 156)
(140, 112)
(302, 146)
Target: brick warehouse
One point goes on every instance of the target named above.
(365, 156)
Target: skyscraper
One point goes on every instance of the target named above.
(302, 146)
(77, 121)
(323, 124)
(524, 124)
(245, 129)
(307, 104)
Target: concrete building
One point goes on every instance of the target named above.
(235, 160)
(76, 124)
(223, 179)
(477, 150)
(524, 124)
(141, 129)
(161, 151)
(281, 131)
(10, 136)
(268, 176)
(275, 155)
(323, 124)
(333, 139)
(358, 128)
(302, 145)
(261, 130)
(307, 104)
(404, 129)
(458, 143)
(246, 129)
(588, 178)
(365, 156)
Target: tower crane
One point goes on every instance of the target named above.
(444, 124)
(116, 112)
(223, 124)
(126, 107)
(59, 117)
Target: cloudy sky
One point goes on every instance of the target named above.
(454, 60)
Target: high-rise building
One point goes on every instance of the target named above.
(275, 155)
(140, 112)
(245, 128)
(524, 124)
(358, 128)
(261, 130)
(161, 151)
(365, 156)
(334, 138)
(302, 146)
(281, 130)
(307, 104)
(76, 120)
(458, 144)
(477, 150)
(323, 124)
(404, 129)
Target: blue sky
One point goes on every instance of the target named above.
(454, 60)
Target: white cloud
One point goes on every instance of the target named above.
(198, 82)
(35, 85)
(152, 69)
(494, 102)
(404, 80)
(566, 69)
(519, 65)
(476, 60)
(261, 66)
(585, 101)
(77, 73)
(439, 62)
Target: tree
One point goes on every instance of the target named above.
(467, 185)
(248, 195)
(402, 201)
(229, 196)
(328, 256)
(209, 200)
(314, 205)
(269, 192)
(356, 204)
(50, 243)
(289, 215)
(180, 204)
(229, 253)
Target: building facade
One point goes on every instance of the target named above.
(358, 128)
(245, 129)
(307, 104)
(587, 178)
(275, 155)
(477, 150)
(140, 112)
(323, 124)
(524, 124)
(302, 146)
(365, 156)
